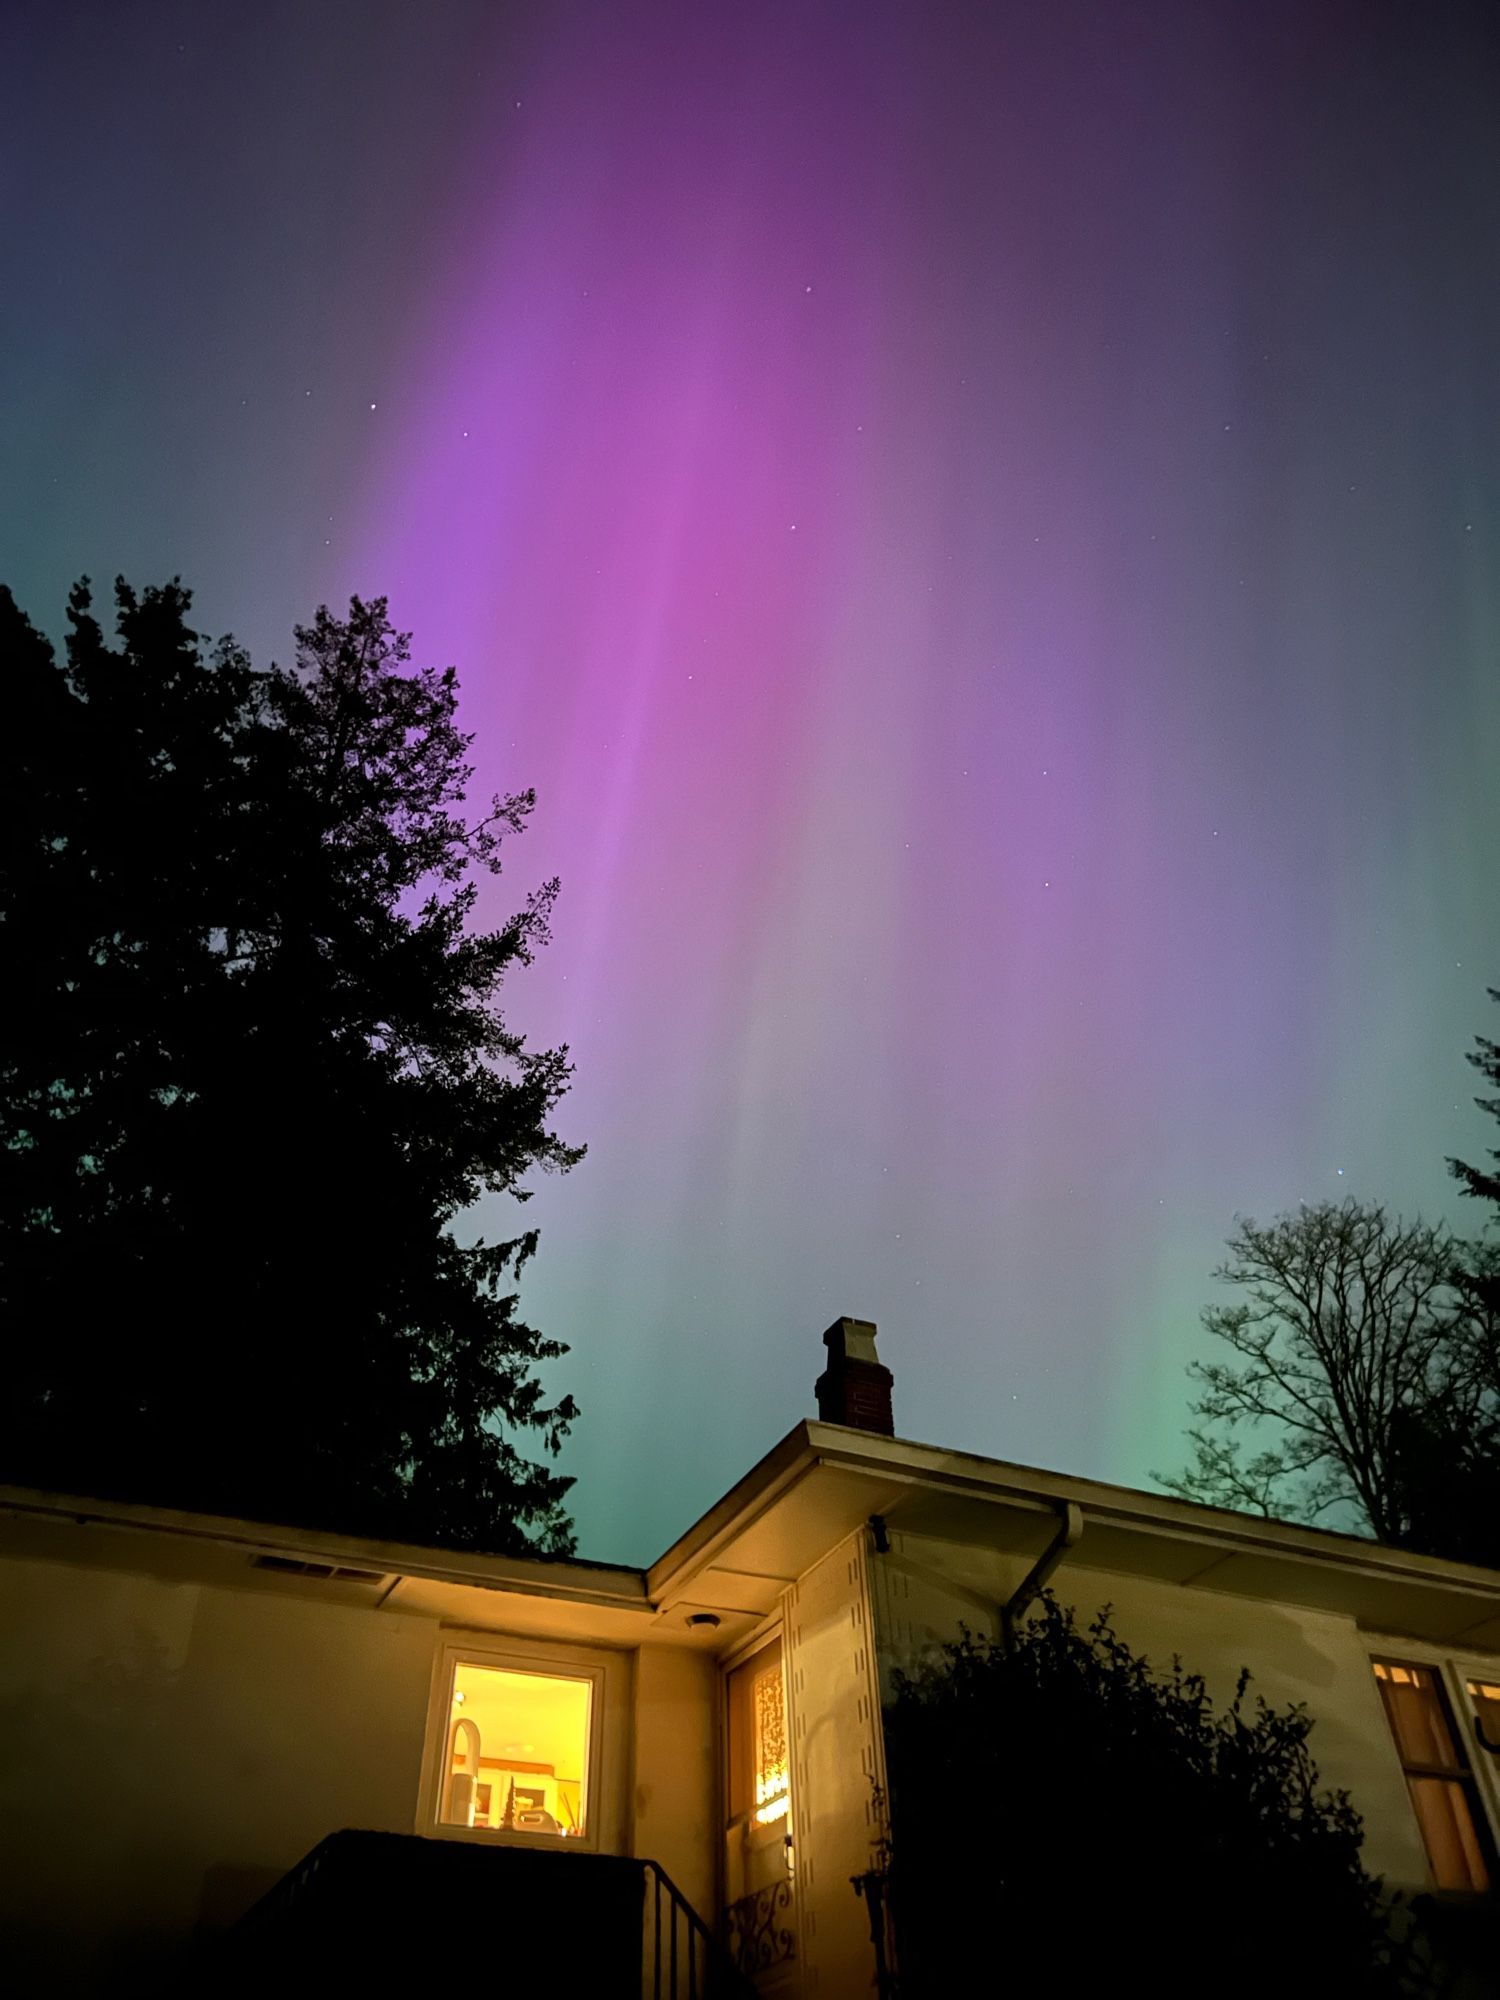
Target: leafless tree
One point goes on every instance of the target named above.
(1350, 1326)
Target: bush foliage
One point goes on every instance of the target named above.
(1064, 1817)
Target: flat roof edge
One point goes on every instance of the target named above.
(550, 1576)
(940, 1467)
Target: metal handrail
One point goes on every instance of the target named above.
(682, 1959)
(697, 1968)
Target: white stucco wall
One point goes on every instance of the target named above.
(837, 1761)
(168, 1750)
(676, 1769)
(924, 1590)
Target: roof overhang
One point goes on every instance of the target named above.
(819, 1485)
(823, 1481)
(558, 1599)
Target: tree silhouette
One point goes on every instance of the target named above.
(1479, 1182)
(255, 1071)
(1450, 1486)
(1347, 1323)
(1063, 1818)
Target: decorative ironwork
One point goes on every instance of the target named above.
(684, 1960)
(757, 1941)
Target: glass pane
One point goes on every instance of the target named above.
(517, 1752)
(1485, 1696)
(1448, 1830)
(772, 1781)
(1418, 1723)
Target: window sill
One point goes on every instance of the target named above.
(497, 1836)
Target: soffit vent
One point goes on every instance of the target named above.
(317, 1572)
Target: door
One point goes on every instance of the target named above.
(759, 1855)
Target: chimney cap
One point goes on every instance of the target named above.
(851, 1340)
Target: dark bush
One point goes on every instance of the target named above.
(1065, 1818)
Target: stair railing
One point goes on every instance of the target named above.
(683, 1958)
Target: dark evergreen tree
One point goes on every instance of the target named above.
(1478, 1182)
(255, 1070)
(1450, 1456)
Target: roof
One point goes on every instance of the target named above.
(818, 1485)
(823, 1480)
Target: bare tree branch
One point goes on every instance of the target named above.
(1351, 1322)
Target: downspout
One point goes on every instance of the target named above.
(1035, 1580)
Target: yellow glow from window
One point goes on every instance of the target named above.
(529, 1774)
(1438, 1776)
(1402, 1676)
(772, 1786)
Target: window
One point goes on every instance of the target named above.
(758, 1823)
(1485, 1696)
(516, 1758)
(1438, 1776)
(759, 1780)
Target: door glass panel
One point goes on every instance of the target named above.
(758, 1850)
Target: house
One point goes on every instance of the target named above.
(524, 1750)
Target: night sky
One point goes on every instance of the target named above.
(982, 524)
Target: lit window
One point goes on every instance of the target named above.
(772, 1785)
(1438, 1776)
(517, 1751)
(757, 1798)
(1485, 1696)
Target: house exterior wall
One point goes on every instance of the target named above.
(676, 1791)
(924, 1590)
(837, 1762)
(168, 1750)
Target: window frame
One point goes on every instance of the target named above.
(1452, 1673)
(517, 1657)
(761, 1833)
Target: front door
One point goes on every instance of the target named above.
(758, 1857)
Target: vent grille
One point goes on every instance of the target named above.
(318, 1572)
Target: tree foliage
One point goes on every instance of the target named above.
(1351, 1333)
(1480, 1183)
(1450, 1461)
(255, 1070)
(1065, 1817)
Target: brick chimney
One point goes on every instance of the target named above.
(854, 1388)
